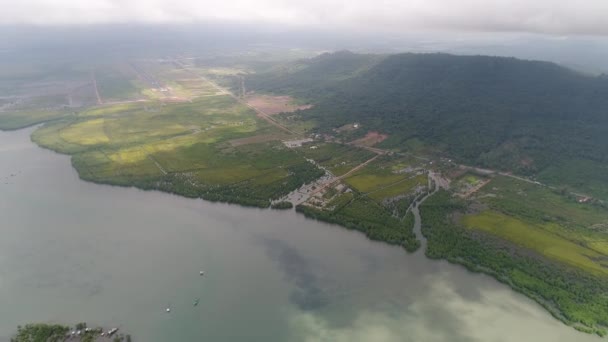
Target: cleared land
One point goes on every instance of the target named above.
(271, 105)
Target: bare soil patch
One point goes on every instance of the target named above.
(271, 105)
(370, 139)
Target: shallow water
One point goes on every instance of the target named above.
(73, 251)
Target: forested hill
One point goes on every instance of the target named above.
(315, 78)
(526, 116)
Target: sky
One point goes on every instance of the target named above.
(554, 17)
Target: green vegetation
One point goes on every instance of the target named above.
(539, 238)
(534, 118)
(282, 205)
(379, 196)
(188, 140)
(312, 78)
(115, 83)
(41, 333)
(365, 215)
(182, 148)
(337, 158)
(567, 290)
(20, 119)
(390, 180)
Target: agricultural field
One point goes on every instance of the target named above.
(468, 184)
(389, 177)
(374, 199)
(337, 158)
(183, 148)
(548, 222)
(156, 125)
(543, 239)
(544, 242)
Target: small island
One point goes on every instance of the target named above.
(57, 332)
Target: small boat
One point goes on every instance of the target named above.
(168, 310)
(201, 273)
(196, 302)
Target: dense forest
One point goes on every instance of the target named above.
(530, 117)
(315, 78)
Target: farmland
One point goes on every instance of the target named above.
(168, 125)
(154, 126)
(374, 200)
(543, 242)
(182, 148)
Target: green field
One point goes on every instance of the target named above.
(183, 148)
(389, 177)
(379, 202)
(568, 279)
(338, 158)
(539, 238)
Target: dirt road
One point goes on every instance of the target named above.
(94, 80)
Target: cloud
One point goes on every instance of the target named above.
(441, 314)
(544, 16)
(306, 292)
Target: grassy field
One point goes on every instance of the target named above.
(541, 203)
(541, 239)
(389, 177)
(378, 198)
(180, 147)
(178, 136)
(568, 279)
(337, 158)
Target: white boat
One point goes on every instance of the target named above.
(168, 310)
(201, 273)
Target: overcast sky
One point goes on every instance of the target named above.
(561, 17)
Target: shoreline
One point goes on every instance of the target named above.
(474, 269)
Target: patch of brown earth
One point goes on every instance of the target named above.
(526, 162)
(271, 105)
(370, 139)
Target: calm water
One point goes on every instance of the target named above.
(73, 251)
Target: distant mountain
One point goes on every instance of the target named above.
(530, 117)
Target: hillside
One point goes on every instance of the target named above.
(315, 78)
(533, 118)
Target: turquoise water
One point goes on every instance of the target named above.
(73, 251)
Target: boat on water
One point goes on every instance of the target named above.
(196, 302)
(168, 309)
(201, 273)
